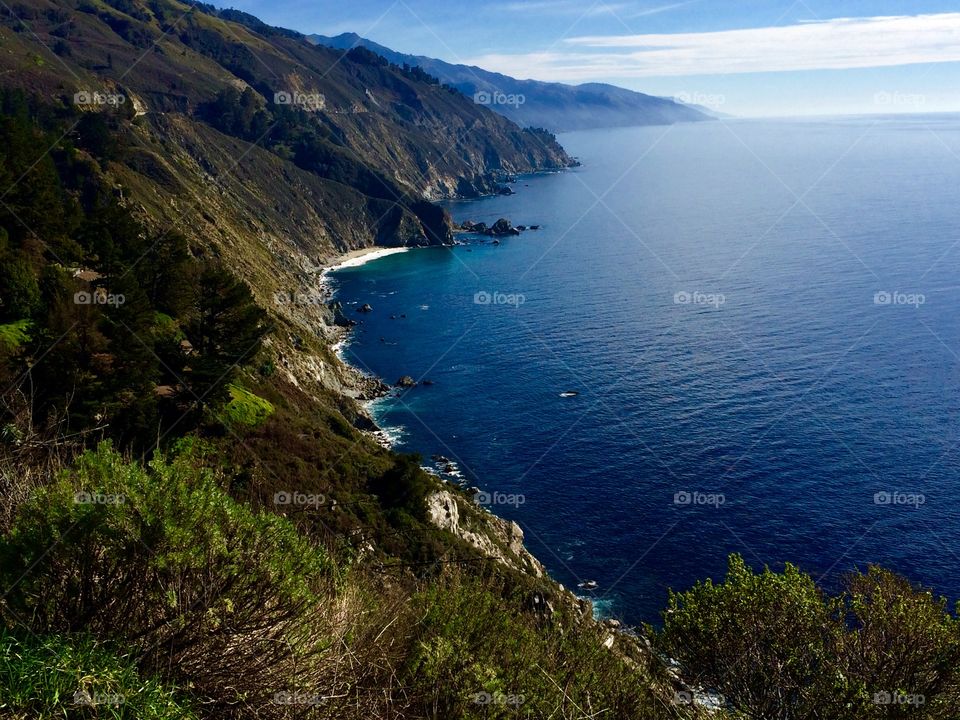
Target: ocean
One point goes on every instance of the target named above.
(759, 320)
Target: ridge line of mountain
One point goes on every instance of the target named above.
(558, 107)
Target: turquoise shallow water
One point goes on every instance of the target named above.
(760, 319)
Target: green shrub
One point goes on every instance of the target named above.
(404, 487)
(19, 290)
(14, 335)
(163, 560)
(478, 654)
(245, 409)
(778, 647)
(58, 676)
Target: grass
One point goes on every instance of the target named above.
(14, 335)
(61, 676)
(246, 409)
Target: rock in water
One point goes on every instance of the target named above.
(407, 382)
(365, 308)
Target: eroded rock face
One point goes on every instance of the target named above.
(489, 534)
(444, 511)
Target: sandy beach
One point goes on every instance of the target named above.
(356, 258)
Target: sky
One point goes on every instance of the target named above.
(749, 58)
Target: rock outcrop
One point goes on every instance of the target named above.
(491, 535)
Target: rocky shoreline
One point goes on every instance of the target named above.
(366, 388)
(450, 507)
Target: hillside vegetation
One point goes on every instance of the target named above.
(195, 524)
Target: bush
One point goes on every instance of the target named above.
(778, 647)
(14, 335)
(902, 645)
(61, 676)
(163, 560)
(403, 489)
(245, 409)
(477, 655)
(19, 291)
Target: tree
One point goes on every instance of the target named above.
(19, 290)
(226, 330)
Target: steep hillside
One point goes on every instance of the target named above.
(261, 148)
(555, 106)
(348, 118)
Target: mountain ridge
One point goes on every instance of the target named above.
(557, 107)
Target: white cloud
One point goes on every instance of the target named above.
(841, 43)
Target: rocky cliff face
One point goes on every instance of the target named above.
(334, 150)
(494, 537)
(415, 136)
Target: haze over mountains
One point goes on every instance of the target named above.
(532, 103)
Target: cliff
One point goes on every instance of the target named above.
(355, 144)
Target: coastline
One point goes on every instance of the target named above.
(361, 256)
(387, 437)
(376, 387)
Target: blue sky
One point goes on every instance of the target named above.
(744, 57)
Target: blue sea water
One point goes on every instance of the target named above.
(761, 320)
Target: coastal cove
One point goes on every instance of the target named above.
(747, 377)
